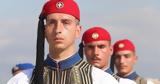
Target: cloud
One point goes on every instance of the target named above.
(5, 42)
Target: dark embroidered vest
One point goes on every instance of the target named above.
(135, 77)
(71, 71)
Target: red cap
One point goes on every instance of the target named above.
(124, 44)
(95, 34)
(61, 6)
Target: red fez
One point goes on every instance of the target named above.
(124, 44)
(95, 34)
(61, 6)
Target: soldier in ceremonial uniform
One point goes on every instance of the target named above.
(98, 50)
(124, 59)
(97, 47)
(19, 72)
(63, 64)
(20, 67)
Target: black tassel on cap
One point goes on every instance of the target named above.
(112, 63)
(80, 51)
(37, 76)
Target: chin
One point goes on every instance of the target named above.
(96, 65)
(123, 72)
(58, 47)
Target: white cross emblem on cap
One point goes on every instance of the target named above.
(59, 5)
(95, 35)
(121, 45)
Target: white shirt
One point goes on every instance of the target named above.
(101, 77)
(126, 81)
(98, 76)
(150, 82)
(22, 77)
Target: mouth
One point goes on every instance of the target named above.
(122, 66)
(58, 39)
(95, 60)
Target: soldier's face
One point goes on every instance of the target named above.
(125, 61)
(98, 53)
(61, 30)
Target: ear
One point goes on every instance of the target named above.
(135, 59)
(78, 31)
(111, 50)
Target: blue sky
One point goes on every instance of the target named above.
(137, 20)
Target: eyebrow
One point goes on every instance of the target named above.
(98, 45)
(65, 19)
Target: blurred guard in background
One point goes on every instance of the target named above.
(124, 57)
(21, 73)
(20, 67)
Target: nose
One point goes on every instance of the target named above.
(96, 51)
(122, 59)
(59, 28)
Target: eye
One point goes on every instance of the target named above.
(127, 55)
(89, 46)
(101, 46)
(66, 21)
(51, 22)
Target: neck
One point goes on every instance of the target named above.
(105, 67)
(125, 75)
(62, 54)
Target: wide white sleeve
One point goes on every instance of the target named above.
(150, 82)
(101, 77)
(126, 81)
(21, 78)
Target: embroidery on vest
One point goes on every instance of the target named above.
(81, 73)
(141, 80)
(116, 77)
(78, 74)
